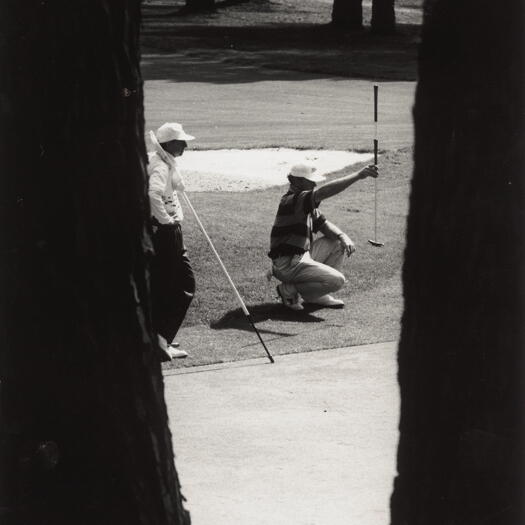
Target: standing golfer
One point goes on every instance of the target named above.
(309, 270)
(172, 280)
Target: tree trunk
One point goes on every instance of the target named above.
(200, 5)
(347, 15)
(383, 17)
(460, 454)
(84, 430)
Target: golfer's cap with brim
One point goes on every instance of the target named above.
(306, 171)
(172, 131)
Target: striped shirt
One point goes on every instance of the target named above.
(296, 220)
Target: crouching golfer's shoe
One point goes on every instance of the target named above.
(290, 301)
(327, 301)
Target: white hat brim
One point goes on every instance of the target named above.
(314, 177)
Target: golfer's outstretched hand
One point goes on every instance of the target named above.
(369, 171)
(347, 244)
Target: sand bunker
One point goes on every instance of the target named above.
(250, 169)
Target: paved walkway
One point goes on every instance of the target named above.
(308, 440)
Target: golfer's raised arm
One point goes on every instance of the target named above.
(338, 185)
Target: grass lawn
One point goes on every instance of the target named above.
(274, 41)
(239, 224)
(290, 35)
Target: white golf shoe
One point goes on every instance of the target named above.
(327, 301)
(177, 353)
(169, 352)
(293, 302)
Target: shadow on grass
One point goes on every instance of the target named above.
(307, 331)
(184, 10)
(223, 54)
(235, 319)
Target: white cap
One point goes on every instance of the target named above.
(172, 131)
(306, 171)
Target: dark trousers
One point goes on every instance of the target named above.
(172, 280)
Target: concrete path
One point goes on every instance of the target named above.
(309, 440)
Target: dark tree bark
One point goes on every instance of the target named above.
(460, 455)
(347, 15)
(383, 17)
(200, 5)
(84, 431)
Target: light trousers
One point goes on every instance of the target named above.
(312, 274)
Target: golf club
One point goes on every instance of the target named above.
(375, 242)
(243, 306)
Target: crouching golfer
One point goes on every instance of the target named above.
(310, 269)
(172, 280)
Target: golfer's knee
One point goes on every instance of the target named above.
(335, 245)
(336, 281)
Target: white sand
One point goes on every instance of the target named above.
(244, 170)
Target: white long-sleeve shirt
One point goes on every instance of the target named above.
(164, 181)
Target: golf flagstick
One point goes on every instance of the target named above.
(243, 306)
(374, 241)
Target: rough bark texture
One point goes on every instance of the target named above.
(84, 431)
(460, 454)
(347, 15)
(383, 17)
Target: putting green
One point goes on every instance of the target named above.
(261, 108)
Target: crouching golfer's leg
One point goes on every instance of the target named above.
(309, 280)
(325, 253)
(308, 268)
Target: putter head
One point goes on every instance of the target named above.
(376, 243)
